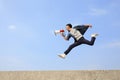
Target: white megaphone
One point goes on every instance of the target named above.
(58, 31)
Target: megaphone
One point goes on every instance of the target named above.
(58, 31)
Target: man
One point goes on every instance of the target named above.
(77, 35)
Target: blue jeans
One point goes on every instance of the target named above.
(79, 42)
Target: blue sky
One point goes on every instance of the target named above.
(27, 41)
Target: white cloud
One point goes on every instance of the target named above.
(0, 3)
(12, 63)
(114, 44)
(12, 27)
(116, 24)
(97, 12)
(114, 4)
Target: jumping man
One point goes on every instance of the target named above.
(77, 33)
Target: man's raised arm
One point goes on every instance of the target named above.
(88, 25)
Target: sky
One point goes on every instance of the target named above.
(27, 41)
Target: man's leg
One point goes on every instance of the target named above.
(71, 47)
(84, 41)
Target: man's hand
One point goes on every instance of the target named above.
(63, 35)
(89, 25)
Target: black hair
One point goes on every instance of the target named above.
(70, 25)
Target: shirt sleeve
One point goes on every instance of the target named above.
(68, 36)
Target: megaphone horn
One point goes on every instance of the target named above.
(58, 31)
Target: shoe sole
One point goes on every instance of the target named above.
(61, 57)
(95, 35)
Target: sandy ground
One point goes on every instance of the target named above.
(60, 75)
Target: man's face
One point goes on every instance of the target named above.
(67, 27)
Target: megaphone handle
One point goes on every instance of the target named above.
(61, 30)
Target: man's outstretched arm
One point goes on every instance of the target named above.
(65, 37)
